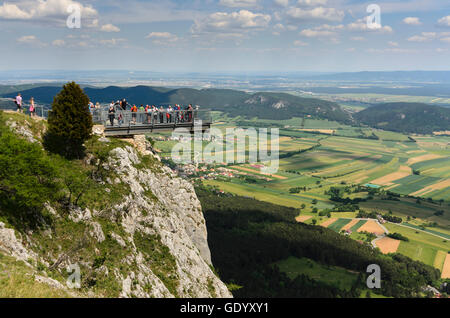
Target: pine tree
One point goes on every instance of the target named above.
(69, 123)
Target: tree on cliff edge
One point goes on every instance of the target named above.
(69, 122)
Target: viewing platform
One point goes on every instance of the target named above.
(127, 123)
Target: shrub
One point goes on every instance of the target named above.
(26, 180)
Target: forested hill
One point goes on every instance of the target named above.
(406, 117)
(247, 237)
(233, 102)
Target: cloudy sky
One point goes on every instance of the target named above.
(224, 35)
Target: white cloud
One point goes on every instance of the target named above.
(109, 28)
(300, 43)
(445, 21)
(161, 35)
(27, 39)
(310, 33)
(423, 37)
(312, 3)
(279, 27)
(319, 13)
(231, 23)
(13, 12)
(59, 43)
(112, 42)
(393, 43)
(392, 50)
(446, 40)
(324, 30)
(30, 40)
(330, 27)
(239, 3)
(47, 11)
(412, 21)
(358, 38)
(162, 38)
(361, 26)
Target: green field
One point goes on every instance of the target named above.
(421, 246)
(446, 236)
(331, 275)
(339, 224)
(341, 159)
(355, 227)
(351, 156)
(408, 207)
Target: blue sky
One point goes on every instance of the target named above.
(225, 35)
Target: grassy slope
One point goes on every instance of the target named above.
(18, 281)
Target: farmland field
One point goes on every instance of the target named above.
(358, 225)
(416, 169)
(388, 245)
(421, 246)
(349, 160)
(339, 224)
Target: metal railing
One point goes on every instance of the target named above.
(126, 118)
(121, 118)
(40, 111)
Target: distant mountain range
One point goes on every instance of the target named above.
(406, 117)
(401, 117)
(235, 103)
(394, 76)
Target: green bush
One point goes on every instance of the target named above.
(26, 180)
(69, 123)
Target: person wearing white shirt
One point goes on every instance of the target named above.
(169, 114)
(19, 102)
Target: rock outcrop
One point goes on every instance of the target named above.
(149, 242)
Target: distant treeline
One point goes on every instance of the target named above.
(406, 118)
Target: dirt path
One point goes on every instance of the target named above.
(444, 238)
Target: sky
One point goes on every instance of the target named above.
(225, 35)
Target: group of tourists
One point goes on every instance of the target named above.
(149, 114)
(18, 100)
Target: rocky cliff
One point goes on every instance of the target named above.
(135, 230)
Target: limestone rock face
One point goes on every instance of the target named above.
(157, 227)
(13, 246)
(23, 131)
(174, 213)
